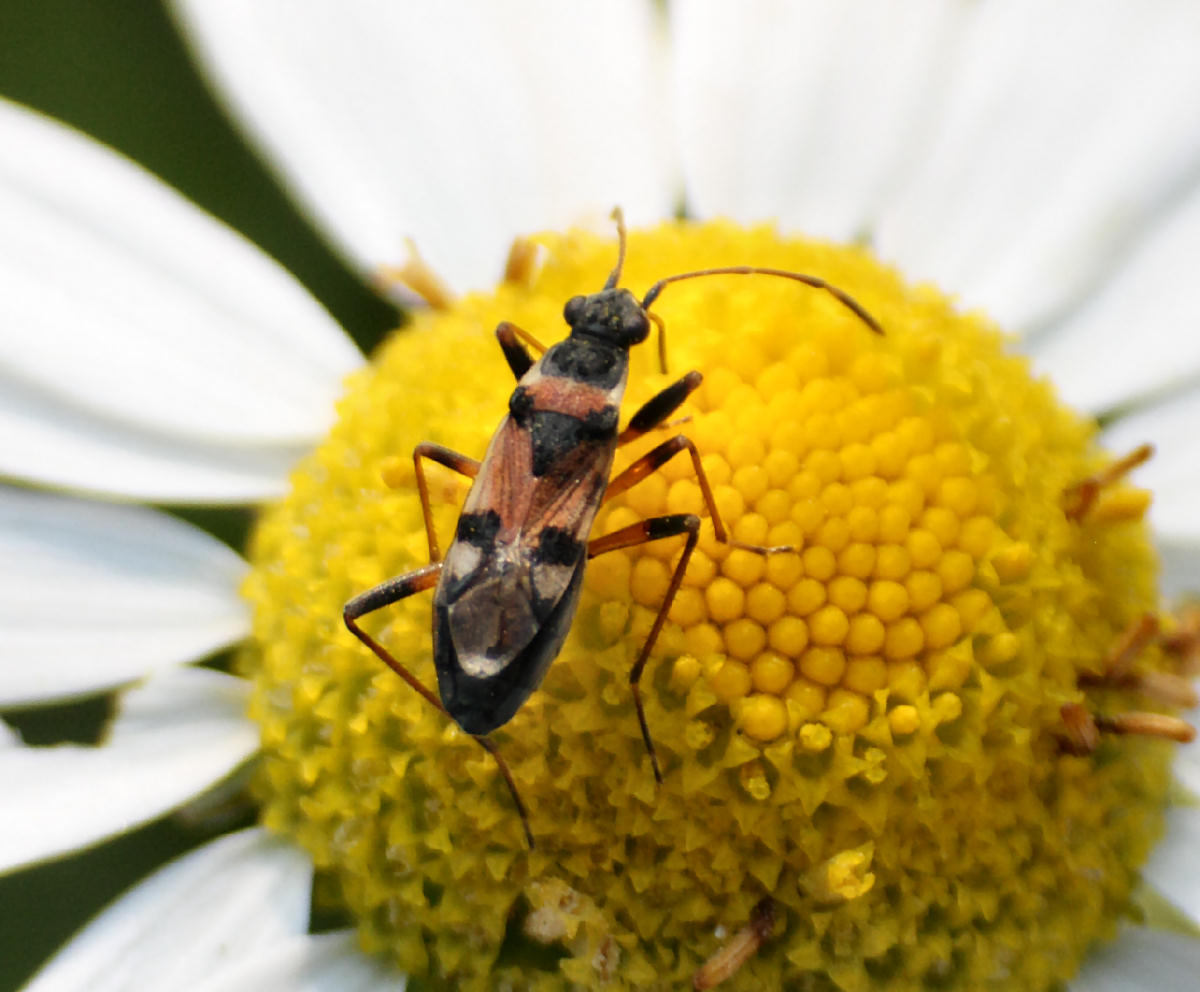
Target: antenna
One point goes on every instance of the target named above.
(619, 216)
(747, 270)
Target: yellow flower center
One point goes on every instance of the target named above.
(865, 734)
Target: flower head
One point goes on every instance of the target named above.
(865, 729)
(918, 747)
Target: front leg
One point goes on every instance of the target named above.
(516, 354)
(657, 457)
(453, 461)
(659, 407)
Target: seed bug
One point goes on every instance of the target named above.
(506, 591)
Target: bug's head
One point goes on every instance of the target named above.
(613, 315)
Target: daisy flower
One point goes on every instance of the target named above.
(924, 748)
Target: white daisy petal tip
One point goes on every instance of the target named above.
(96, 596)
(174, 737)
(1173, 869)
(140, 332)
(224, 902)
(383, 133)
(1133, 337)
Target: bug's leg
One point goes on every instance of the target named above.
(453, 461)
(491, 749)
(516, 354)
(385, 594)
(659, 407)
(662, 340)
(656, 457)
(653, 529)
(392, 591)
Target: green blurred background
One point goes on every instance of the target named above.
(117, 70)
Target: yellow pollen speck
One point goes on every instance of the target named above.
(1001, 649)
(864, 730)
(815, 737)
(685, 672)
(843, 877)
(904, 720)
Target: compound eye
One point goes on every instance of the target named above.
(573, 311)
(636, 327)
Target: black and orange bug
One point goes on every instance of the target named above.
(507, 590)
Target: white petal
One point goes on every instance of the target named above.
(231, 897)
(329, 962)
(1066, 126)
(122, 301)
(174, 737)
(806, 113)
(1173, 427)
(1141, 960)
(1137, 334)
(459, 123)
(93, 596)
(1187, 762)
(1180, 568)
(1173, 867)
(47, 441)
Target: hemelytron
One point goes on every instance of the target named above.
(507, 589)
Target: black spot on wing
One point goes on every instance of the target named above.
(556, 435)
(586, 360)
(520, 406)
(558, 547)
(479, 529)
